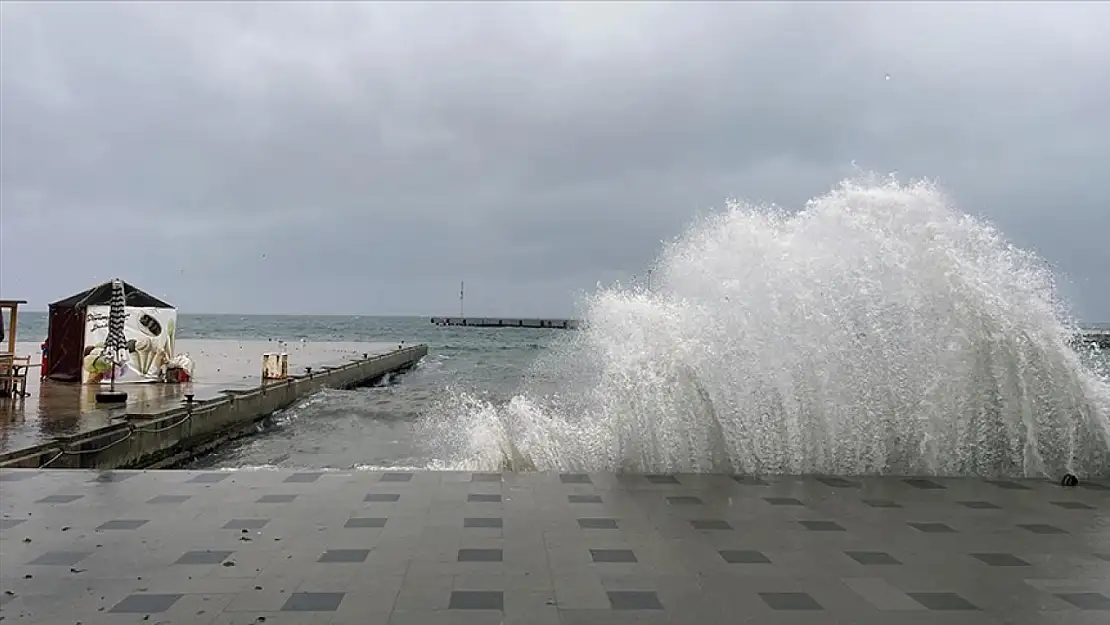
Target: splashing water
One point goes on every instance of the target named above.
(876, 331)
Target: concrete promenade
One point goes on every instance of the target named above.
(434, 548)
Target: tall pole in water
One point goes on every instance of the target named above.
(462, 294)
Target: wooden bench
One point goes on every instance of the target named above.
(13, 375)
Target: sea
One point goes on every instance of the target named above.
(366, 427)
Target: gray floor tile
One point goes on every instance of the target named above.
(122, 524)
(396, 477)
(1008, 485)
(313, 602)
(364, 522)
(634, 600)
(741, 556)
(597, 524)
(480, 555)
(60, 558)
(822, 526)
(783, 501)
(382, 498)
(17, 476)
(483, 498)
(210, 478)
(882, 503)
(575, 478)
(476, 600)
(942, 601)
(344, 555)
(203, 557)
(1041, 528)
(932, 528)
(1086, 600)
(485, 477)
(662, 479)
(978, 505)
(145, 604)
(114, 476)
(923, 484)
(710, 524)
(246, 524)
(168, 499)
(838, 482)
(684, 500)
(999, 559)
(7, 524)
(483, 522)
(59, 498)
(584, 498)
(302, 478)
(276, 498)
(1072, 505)
(872, 557)
(790, 601)
(749, 480)
(612, 555)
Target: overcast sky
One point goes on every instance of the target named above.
(364, 159)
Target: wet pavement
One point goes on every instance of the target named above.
(427, 548)
(54, 409)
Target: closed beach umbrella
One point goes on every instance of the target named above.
(115, 346)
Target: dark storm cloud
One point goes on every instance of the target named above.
(377, 154)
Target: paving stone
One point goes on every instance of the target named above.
(302, 478)
(476, 600)
(483, 498)
(485, 477)
(838, 482)
(662, 479)
(1086, 600)
(872, 557)
(612, 555)
(1041, 528)
(313, 602)
(597, 524)
(203, 557)
(168, 499)
(575, 478)
(209, 478)
(1008, 485)
(634, 600)
(790, 601)
(16, 476)
(396, 477)
(335, 557)
(733, 556)
(978, 505)
(60, 558)
(942, 601)
(480, 555)
(145, 604)
(276, 498)
(999, 559)
(783, 501)
(1094, 486)
(924, 484)
(483, 522)
(59, 498)
(364, 522)
(122, 524)
(710, 524)
(246, 524)
(932, 528)
(344, 555)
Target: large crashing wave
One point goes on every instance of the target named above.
(876, 331)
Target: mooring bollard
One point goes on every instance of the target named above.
(308, 370)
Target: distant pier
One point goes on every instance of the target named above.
(517, 322)
(1100, 337)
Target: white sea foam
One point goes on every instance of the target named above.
(878, 330)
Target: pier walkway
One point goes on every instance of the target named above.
(437, 548)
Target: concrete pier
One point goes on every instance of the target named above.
(506, 322)
(434, 548)
(61, 426)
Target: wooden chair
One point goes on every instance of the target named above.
(13, 375)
